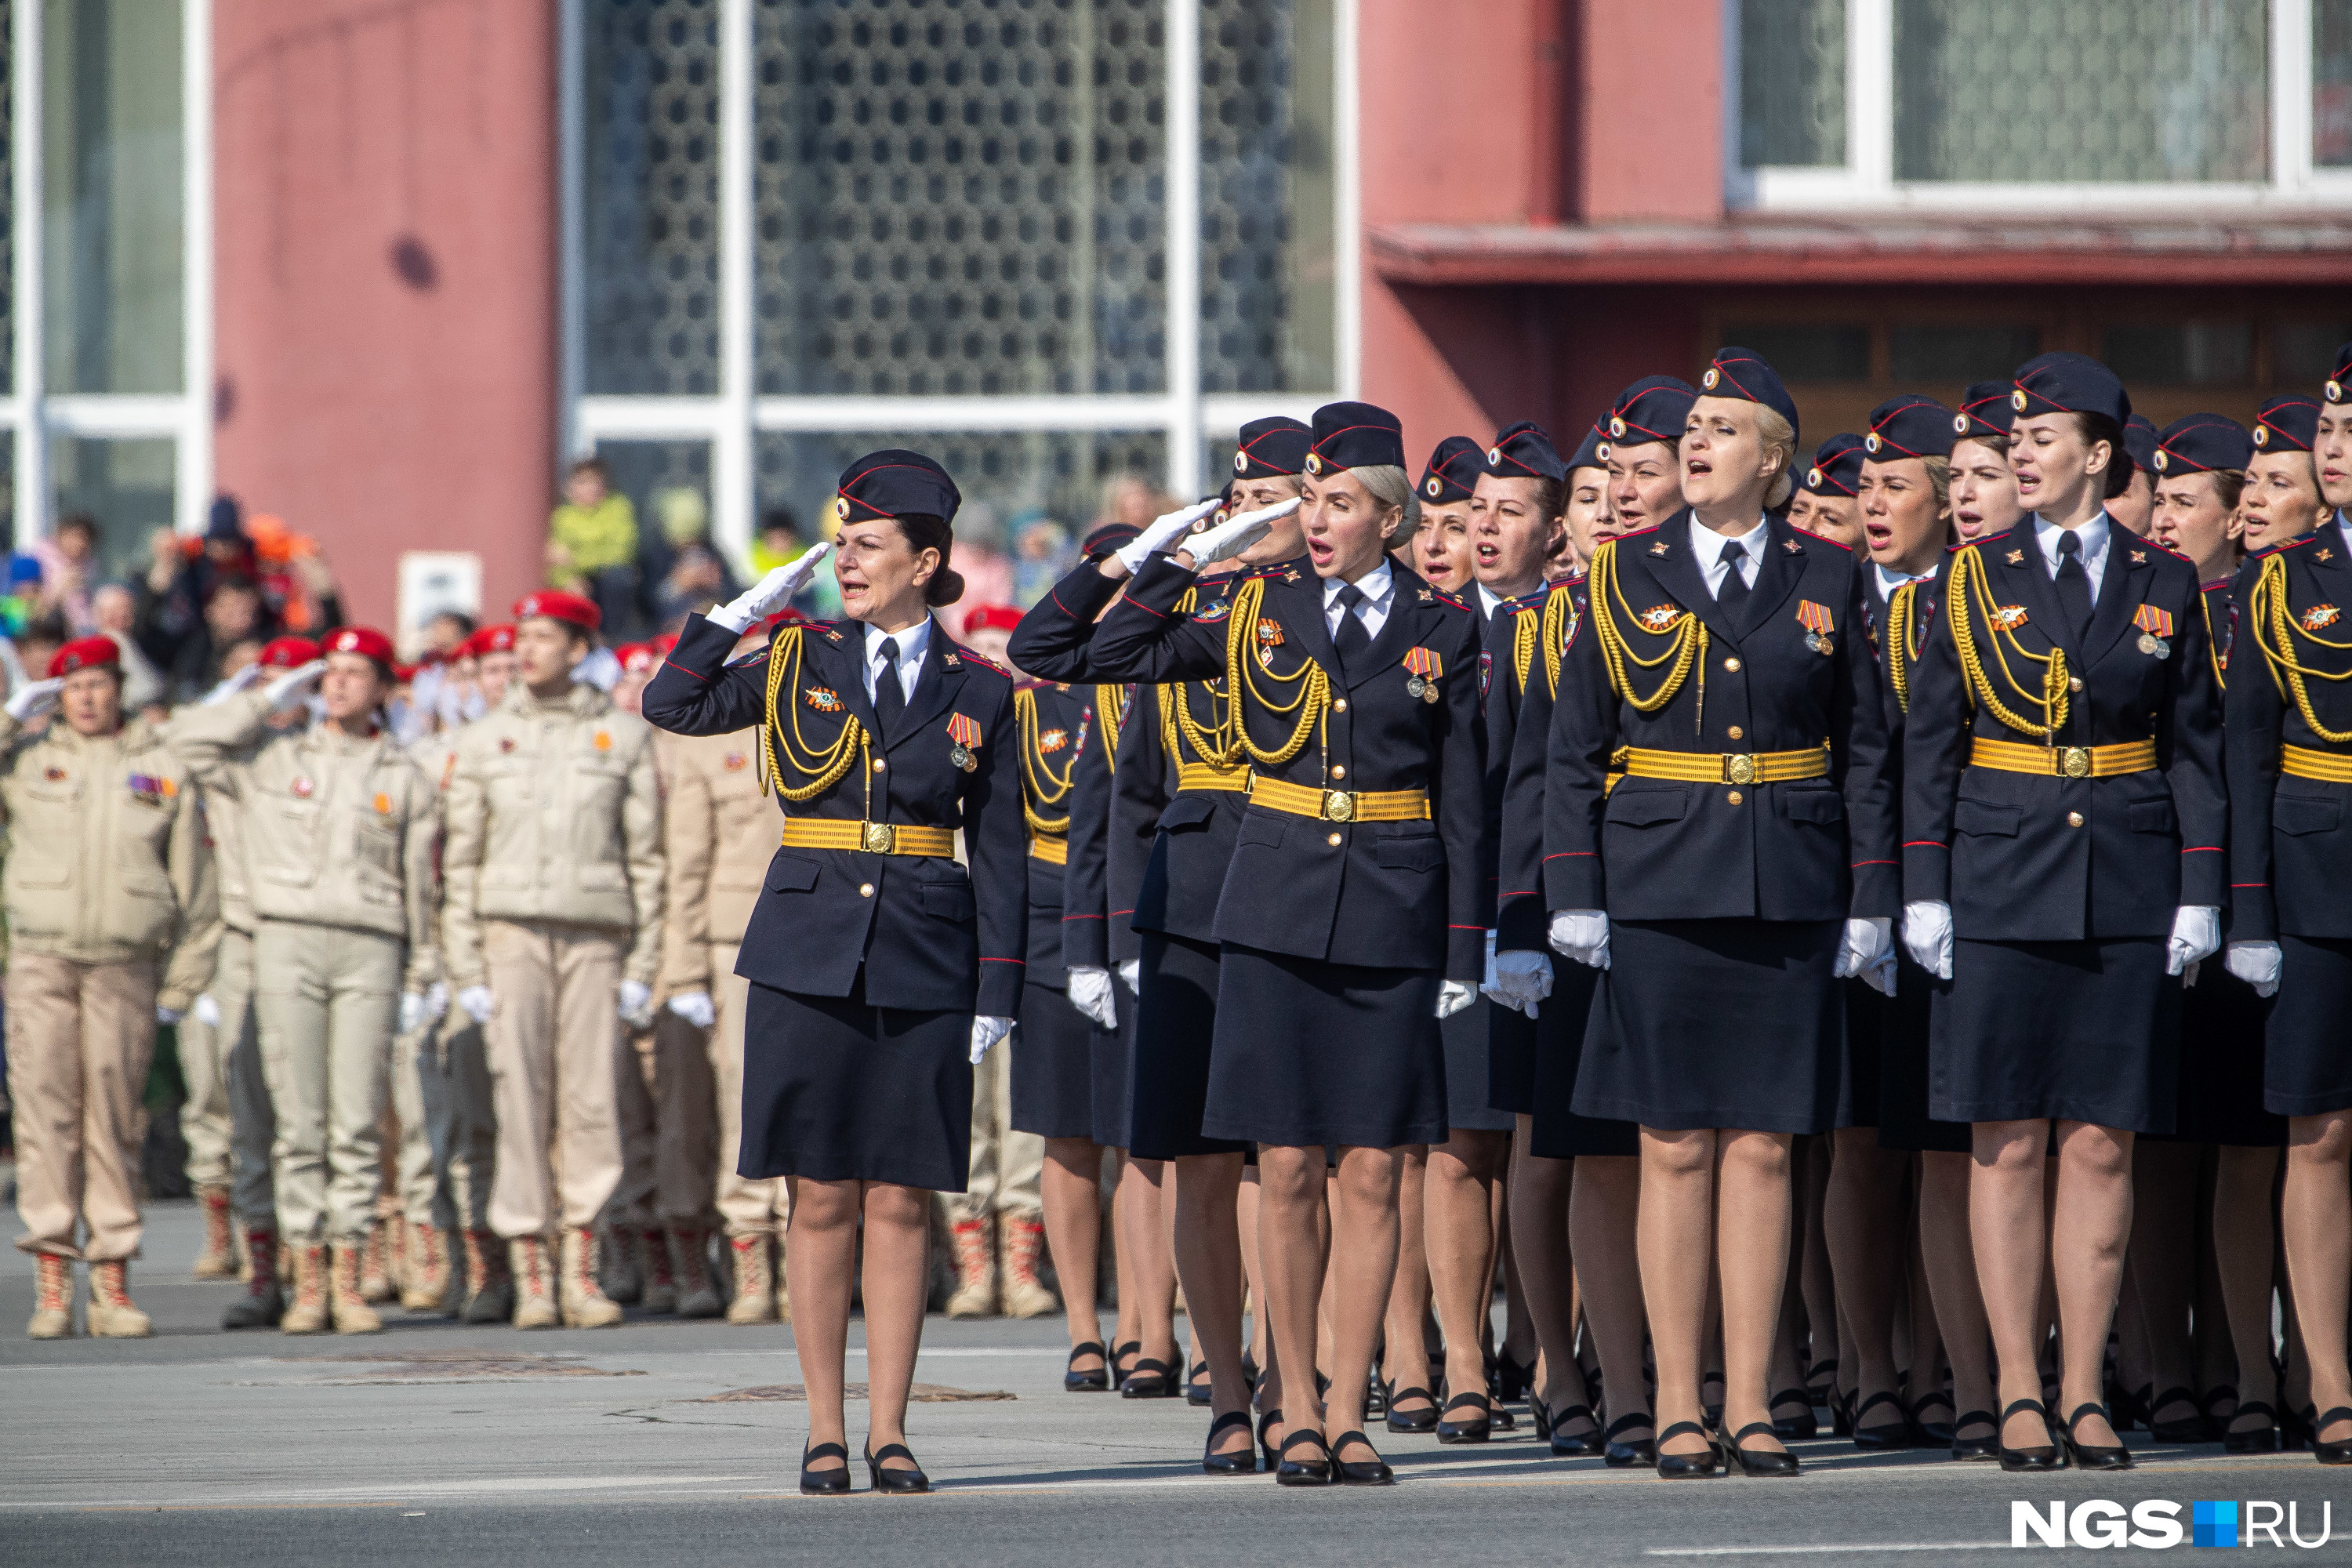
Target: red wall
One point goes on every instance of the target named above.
(386, 185)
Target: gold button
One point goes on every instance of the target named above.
(1333, 841)
(1339, 771)
(879, 764)
(866, 890)
(1338, 704)
(2073, 683)
(1734, 731)
(1735, 797)
(1731, 664)
(2073, 819)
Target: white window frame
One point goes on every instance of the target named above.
(1867, 180)
(33, 414)
(732, 419)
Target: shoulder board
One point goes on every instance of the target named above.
(1635, 534)
(1811, 538)
(1440, 596)
(756, 657)
(2284, 546)
(1964, 545)
(2219, 586)
(2142, 540)
(984, 662)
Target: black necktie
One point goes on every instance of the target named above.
(889, 698)
(1733, 595)
(2074, 583)
(1351, 641)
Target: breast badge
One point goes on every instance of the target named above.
(2319, 618)
(1659, 618)
(2009, 618)
(822, 698)
(1053, 740)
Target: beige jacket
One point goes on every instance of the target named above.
(336, 831)
(720, 833)
(552, 814)
(107, 858)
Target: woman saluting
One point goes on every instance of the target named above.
(880, 971)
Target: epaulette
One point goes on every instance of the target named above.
(1967, 544)
(982, 660)
(1819, 539)
(2140, 538)
(2218, 585)
(829, 630)
(1635, 534)
(2295, 543)
(1439, 596)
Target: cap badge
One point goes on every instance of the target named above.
(1617, 427)
(1494, 456)
(2017, 400)
(1659, 618)
(2009, 618)
(840, 507)
(2319, 618)
(1960, 423)
(2163, 460)
(1600, 450)
(1314, 464)
(1710, 378)
(1813, 479)
(348, 641)
(2261, 435)
(1870, 442)
(2334, 391)
(1240, 462)
(1435, 487)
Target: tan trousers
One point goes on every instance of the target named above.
(1007, 1167)
(473, 1158)
(227, 1121)
(668, 1105)
(420, 1103)
(80, 1039)
(747, 1207)
(552, 1036)
(327, 999)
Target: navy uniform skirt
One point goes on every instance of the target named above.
(1511, 1053)
(1109, 1050)
(2307, 1053)
(1866, 1043)
(1168, 1073)
(2221, 1095)
(1904, 1026)
(2082, 1031)
(1556, 1132)
(1310, 1052)
(1723, 1023)
(1467, 1075)
(1053, 1066)
(834, 1090)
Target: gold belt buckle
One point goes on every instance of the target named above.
(1739, 768)
(1338, 805)
(2075, 761)
(881, 838)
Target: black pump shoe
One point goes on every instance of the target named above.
(1930, 1434)
(2095, 1456)
(2048, 1457)
(1290, 1472)
(900, 1482)
(1095, 1381)
(1474, 1430)
(1687, 1467)
(1242, 1464)
(1374, 1472)
(1976, 1448)
(1421, 1420)
(1574, 1445)
(1149, 1379)
(2261, 1439)
(2338, 1452)
(1266, 1420)
(2181, 1428)
(1624, 1456)
(1885, 1434)
(1800, 1427)
(827, 1482)
(1763, 1462)
(1120, 1353)
(1198, 1389)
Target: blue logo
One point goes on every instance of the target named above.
(2213, 1524)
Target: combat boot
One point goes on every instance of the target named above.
(263, 1302)
(347, 1300)
(307, 1312)
(218, 1259)
(975, 1294)
(534, 1283)
(624, 1282)
(428, 1278)
(661, 1283)
(52, 1298)
(585, 1305)
(490, 1283)
(697, 1295)
(755, 1300)
(374, 1278)
(1020, 1246)
(112, 1313)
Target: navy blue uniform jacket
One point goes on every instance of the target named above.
(929, 936)
(1519, 730)
(1052, 768)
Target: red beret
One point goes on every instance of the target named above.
(85, 653)
(288, 653)
(365, 641)
(984, 617)
(489, 639)
(569, 608)
(636, 656)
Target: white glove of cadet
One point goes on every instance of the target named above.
(289, 690)
(1090, 995)
(34, 700)
(415, 1012)
(437, 999)
(1927, 936)
(695, 1007)
(476, 1000)
(1522, 979)
(1233, 535)
(2258, 964)
(1131, 971)
(1583, 935)
(243, 679)
(2195, 933)
(636, 1003)
(207, 1012)
(768, 595)
(1880, 976)
(1453, 996)
(1865, 939)
(168, 1014)
(1164, 531)
(985, 1032)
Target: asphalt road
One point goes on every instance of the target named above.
(438, 1444)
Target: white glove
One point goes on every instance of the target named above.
(770, 593)
(476, 1001)
(985, 1032)
(1232, 536)
(1522, 979)
(415, 1012)
(207, 1012)
(636, 1003)
(242, 680)
(34, 700)
(1164, 531)
(168, 1014)
(1131, 971)
(1927, 936)
(291, 690)
(695, 1007)
(2195, 933)
(2258, 964)
(1091, 994)
(437, 999)
(1453, 996)
(1865, 939)
(1880, 976)
(1583, 935)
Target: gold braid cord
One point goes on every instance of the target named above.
(1310, 704)
(1902, 622)
(1559, 605)
(784, 751)
(1968, 585)
(1526, 633)
(1040, 786)
(2274, 630)
(1111, 719)
(2220, 660)
(1688, 647)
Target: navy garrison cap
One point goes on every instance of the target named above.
(1910, 427)
(2068, 383)
(1106, 538)
(1592, 452)
(1652, 409)
(1523, 451)
(894, 483)
(1837, 465)
(2202, 442)
(1984, 412)
(1454, 470)
(1744, 373)
(2140, 439)
(2286, 425)
(2339, 380)
(1355, 436)
(1271, 448)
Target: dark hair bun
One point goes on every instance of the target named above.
(944, 588)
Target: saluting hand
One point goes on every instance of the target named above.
(34, 701)
(1161, 536)
(771, 592)
(1232, 536)
(289, 691)
(243, 680)
(985, 1032)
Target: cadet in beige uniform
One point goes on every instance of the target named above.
(340, 828)
(551, 926)
(113, 917)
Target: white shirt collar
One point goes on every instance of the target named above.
(913, 643)
(2344, 524)
(1707, 544)
(1376, 585)
(1490, 601)
(2094, 535)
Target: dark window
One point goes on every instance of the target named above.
(2302, 353)
(1808, 352)
(2181, 353)
(1952, 352)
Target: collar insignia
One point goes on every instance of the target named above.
(2320, 616)
(2009, 618)
(1792, 547)
(1291, 575)
(1659, 548)
(1426, 596)
(1659, 617)
(2017, 558)
(2322, 553)
(832, 633)
(822, 698)
(2139, 557)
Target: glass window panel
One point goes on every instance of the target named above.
(2177, 354)
(7, 201)
(668, 487)
(649, 195)
(961, 196)
(2302, 353)
(1791, 83)
(1947, 351)
(1268, 273)
(2090, 89)
(1804, 352)
(110, 188)
(125, 485)
(2331, 83)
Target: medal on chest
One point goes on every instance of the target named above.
(2319, 618)
(963, 732)
(1819, 624)
(151, 789)
(2155, 631)
(1269, 637)
(1423, 666)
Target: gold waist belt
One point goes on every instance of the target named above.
(2303, 762)
(868, 838)
(2064, 762)
(1191, 776)
(1053, 851)
(1341, 804)
(1727, 767)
